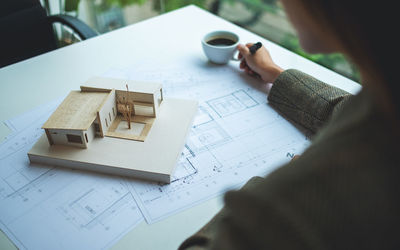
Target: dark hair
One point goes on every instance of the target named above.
(367, 31)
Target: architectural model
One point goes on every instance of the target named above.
(92, 112)
(118, 127)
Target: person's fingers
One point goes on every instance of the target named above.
(248, 45)
(244, 50)
(240, 56)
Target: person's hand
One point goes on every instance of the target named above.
(260, 64)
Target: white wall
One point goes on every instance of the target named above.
(158, 98)
(134, 96)
(108, 112)
(59, 136)
(144, 110)
(90, 134)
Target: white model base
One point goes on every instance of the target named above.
(154, 159)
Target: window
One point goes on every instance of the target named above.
(74, 138)
(109, 115)
(106, 122)
(265, 18)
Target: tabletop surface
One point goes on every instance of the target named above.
(41, 79)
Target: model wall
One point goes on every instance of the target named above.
(108, 112)
(61, 136)
(90, 134)
(135, 96)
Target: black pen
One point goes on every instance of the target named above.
(253, 48)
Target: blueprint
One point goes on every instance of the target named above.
(236, 135)
(43, 207)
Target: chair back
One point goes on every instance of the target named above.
(25, 31)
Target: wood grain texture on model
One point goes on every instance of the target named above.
(117, 127)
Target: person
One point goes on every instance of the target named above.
(343, 191)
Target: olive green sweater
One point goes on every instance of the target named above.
(341, 193)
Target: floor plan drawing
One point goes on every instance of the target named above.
(185, 169)
(219, 161)
(231, 104)
(206, 135)
(69, 209)
(236, 135)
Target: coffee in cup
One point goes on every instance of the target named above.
(220, 46)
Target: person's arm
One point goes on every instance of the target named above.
(206, 236)
(300, 97)
(306, 100)
(262, 215)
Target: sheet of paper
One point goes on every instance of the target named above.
(22, 121)
(235, 136)
(43, 207)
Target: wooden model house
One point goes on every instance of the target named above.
(93, 111)
(117, 127)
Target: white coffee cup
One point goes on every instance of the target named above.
(220, 46)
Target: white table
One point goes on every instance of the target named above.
(41, 79)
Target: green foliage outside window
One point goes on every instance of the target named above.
(336, 62)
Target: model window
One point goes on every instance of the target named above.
(74, 138)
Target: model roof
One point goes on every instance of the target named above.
(77, 111)
(106, 84)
